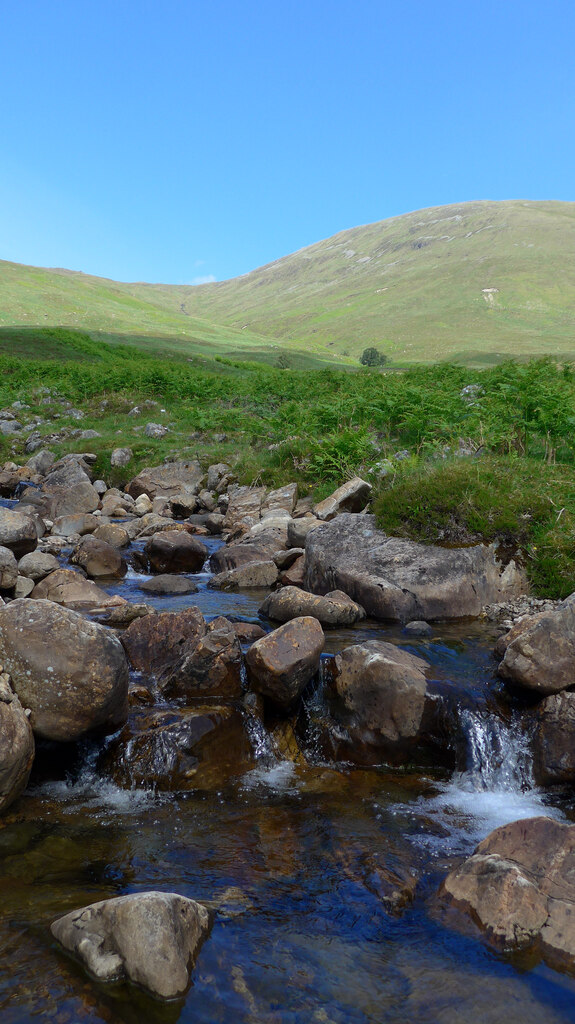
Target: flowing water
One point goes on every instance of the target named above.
(294, 856)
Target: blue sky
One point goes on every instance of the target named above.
(178, 141)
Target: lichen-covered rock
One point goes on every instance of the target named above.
(335, 609)
(169, 479)
(400, 579)
(149, 938)
(72, 674)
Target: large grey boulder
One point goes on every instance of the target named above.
(8, 569)
(169, 479)
(72, 674)
(17, 532)
(67, 489)
(281, 664)
(37, 564)
(16, 744)
(541, 653)
(519, 888)
(402, 580)
(149, 938)
(335, 609)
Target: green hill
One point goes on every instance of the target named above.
(472, 282)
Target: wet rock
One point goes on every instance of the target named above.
(382, 691)
(281, 664)
(17, 532)
(75, 683)
(149, 938)
(541, 654)
(8, 569)
(554, 740)
(167, 584)
(352, 496)
(175, 551)
(335, 609)
(99, 559)
(16, 745)
(158, 643)
(417, 628)
(254, 574)
(70, 589)
(400, 579)
(179, 750)
(519, 888)
(169, 479)
(247, 632)
(211, 669)
(72, 525)
(121, 614)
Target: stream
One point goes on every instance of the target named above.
(292, 857)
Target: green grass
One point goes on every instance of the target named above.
(524, 506)
(413, 288)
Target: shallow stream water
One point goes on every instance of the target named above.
(290, 856)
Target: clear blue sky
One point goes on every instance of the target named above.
(175, 140)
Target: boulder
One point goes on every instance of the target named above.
(283, 498)
(175, 551)
(75, 524)
(72, 684)
(112, 534)
(143, 505)
(37, 564)
(295, 575)
(554, 740)
(281, 664)
(157, 643)
(17, 532)
(382, 691)
(41, 462)
(285, 559)
(67, 489)
(252, 575)
(352, 496)
(518, 888)
(179, 749)
(99, 559)
(149, 938)
(70, 589)
(232, 556)
(245, 506)
(121, 457)
(541, 656)
(335, 609)
(212, 669)
(8, 569)
(183, 505)
(23, 587)
(155, 430)
(169, 479)
(16, 745)
(167, 584)
(402, 580)
(298, 530)
(216, 474)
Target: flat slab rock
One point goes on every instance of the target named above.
(519, 888)
(149, 938)
(400, 580)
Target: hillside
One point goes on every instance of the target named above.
(473, 282)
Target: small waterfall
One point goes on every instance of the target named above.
(498, 753)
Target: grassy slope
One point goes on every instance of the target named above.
(412, 286)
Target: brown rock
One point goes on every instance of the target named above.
(17, 532)
(16, 745)
(554, 740)
(37, 564)
(169, 479)
(254, 575)
(113, 534)
(75, 523)
(295, 575)
(281, 664)
(245, 505)
(352, 496)
(8, 569)
(157, 643)
(335, 609)
(70, 589)
(99, 559)
(211, 669)
(76, 682)
(541, 657)
(167, 584)
(519, 888)
(175, 551)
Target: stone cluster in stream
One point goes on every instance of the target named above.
(185, 720)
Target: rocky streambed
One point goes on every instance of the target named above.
(298, 727)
